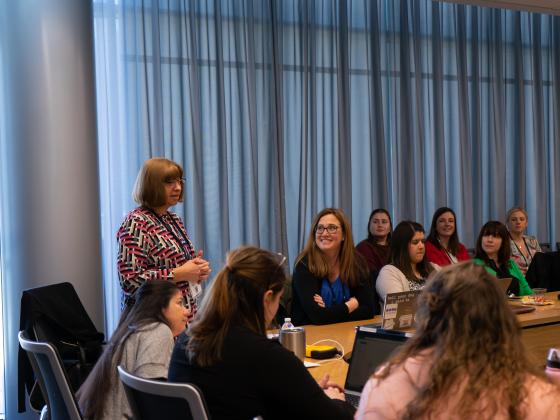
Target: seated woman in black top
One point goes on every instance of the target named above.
(225, 352)
(331, 281)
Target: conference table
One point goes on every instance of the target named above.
(540, 331)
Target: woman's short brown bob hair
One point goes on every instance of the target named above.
(149, 188)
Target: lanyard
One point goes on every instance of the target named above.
(183, 241)
(521, 252)
(452, 258)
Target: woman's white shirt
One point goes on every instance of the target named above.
(393, 280)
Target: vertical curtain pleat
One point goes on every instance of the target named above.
(344, 189)
(378, 150)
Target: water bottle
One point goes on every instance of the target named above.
(287, 325)
(552, 369)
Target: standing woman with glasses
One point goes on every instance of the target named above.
(443, 246)
(153, 242)
(375, 248)
(523, 247)
(331, 281)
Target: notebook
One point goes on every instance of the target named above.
(372, 346)
(399, 310)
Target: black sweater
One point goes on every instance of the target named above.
(306, 311)
(256, 376)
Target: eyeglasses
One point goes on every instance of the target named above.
(329, 228)
(173, 182)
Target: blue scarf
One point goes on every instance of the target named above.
(334, 293)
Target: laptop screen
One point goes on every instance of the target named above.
(372, 346)
(399, 310)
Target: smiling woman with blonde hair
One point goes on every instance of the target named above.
(523, 247)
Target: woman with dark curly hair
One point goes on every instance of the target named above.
(465, 361)
(523, 247)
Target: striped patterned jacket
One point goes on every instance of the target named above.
(150, 247)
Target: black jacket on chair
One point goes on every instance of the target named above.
(544, 271)
(56, 315)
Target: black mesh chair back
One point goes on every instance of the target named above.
(52, 379)
(55, 314)
(544, 271)
(156, 400)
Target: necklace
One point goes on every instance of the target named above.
(521, 251)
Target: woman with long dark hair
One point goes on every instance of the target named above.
(465, 360)
(409, 267)
(331, 281)
(375, 248)
(142, 344)
(493, 251)
(443, 246)
(226, 353)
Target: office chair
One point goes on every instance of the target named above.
(156, 400)
(52, 379)
(545, 246)
(55, 314)
(544, 271)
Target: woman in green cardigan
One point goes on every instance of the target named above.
(493, 251)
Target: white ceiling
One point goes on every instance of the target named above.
(540, 6)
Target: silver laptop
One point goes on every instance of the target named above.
(399, 310)
(372, 347)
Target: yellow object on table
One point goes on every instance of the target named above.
(321, 352)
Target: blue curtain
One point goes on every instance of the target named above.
(278, 108)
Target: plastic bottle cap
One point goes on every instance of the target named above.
(553, 359)
(287, 319)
